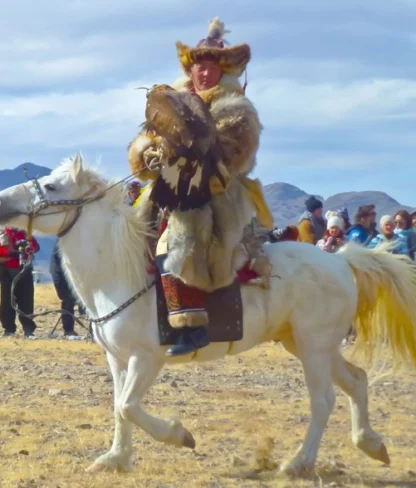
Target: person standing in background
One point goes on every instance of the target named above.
(343, 213)
(333, 238)
(64, 293)
(14, 249)
(413, 215)
(312, 225)
(387, 234)
(404, 228)
(133, 192)
(364, 228)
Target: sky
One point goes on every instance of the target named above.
(334, 83)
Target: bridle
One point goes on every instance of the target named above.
(34, 210)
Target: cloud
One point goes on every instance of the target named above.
(49, 73)
(333, 81)
(328, 104)
(110, 117)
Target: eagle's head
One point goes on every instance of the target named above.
(159, 88)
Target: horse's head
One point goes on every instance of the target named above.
(50, 201)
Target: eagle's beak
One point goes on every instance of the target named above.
(144, 88)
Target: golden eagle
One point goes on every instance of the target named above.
(187, 148)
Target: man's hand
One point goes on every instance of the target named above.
(152, 158)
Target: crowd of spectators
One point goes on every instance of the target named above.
(333, 230)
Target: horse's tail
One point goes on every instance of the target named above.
(386, 311)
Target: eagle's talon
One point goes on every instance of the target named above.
(155, 163)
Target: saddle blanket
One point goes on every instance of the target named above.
(225, 313)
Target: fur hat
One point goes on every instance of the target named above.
(331, 213)
(232, 60)
(134, 185)
(313, 204)
(335, 220)
(385, 219)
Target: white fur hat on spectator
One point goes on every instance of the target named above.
(385, 219)
(331, 213)
(335, 220)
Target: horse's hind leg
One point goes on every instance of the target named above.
(317, 370)
(353, 381)
(119, 456)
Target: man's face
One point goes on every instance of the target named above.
(388, 228)
(205, 74)
(369, 221)
(400, 222)
(133, 194)
(318, 212)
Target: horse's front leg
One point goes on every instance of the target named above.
(141, 373)
(317, 369)
(119, 456)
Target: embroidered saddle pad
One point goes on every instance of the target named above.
(225, 312)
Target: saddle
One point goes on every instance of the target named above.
(225, 313)
(224, 305)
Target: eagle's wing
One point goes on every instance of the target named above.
(182, 118)
(184, 123)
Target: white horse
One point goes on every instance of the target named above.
(309, 309)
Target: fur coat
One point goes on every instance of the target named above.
(203, 245)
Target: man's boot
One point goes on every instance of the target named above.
(190, 340)
(186, 311)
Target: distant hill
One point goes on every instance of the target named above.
(11, 177)
(287, 202)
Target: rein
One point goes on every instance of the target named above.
(16, 279)
(33, 212)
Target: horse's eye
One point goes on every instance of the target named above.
(50, 187)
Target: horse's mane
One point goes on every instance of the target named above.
(127, 251)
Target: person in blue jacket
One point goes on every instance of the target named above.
(404, 228)
(364, 228)
(387, 235)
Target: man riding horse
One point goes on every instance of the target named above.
(200, 248)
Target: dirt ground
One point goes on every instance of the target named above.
(56, 418)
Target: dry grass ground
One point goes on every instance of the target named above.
(56, 417)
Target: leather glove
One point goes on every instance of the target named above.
(152, 159)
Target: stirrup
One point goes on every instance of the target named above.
(190, 340)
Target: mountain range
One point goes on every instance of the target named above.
(287, 203)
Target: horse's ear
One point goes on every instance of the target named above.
(77, 169)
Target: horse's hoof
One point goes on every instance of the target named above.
(188, 440)
(101, 467)
(296, 470)
(383, 455)
(96, 468)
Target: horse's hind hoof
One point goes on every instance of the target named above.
(188, 440)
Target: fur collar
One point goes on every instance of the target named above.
(228, 84)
